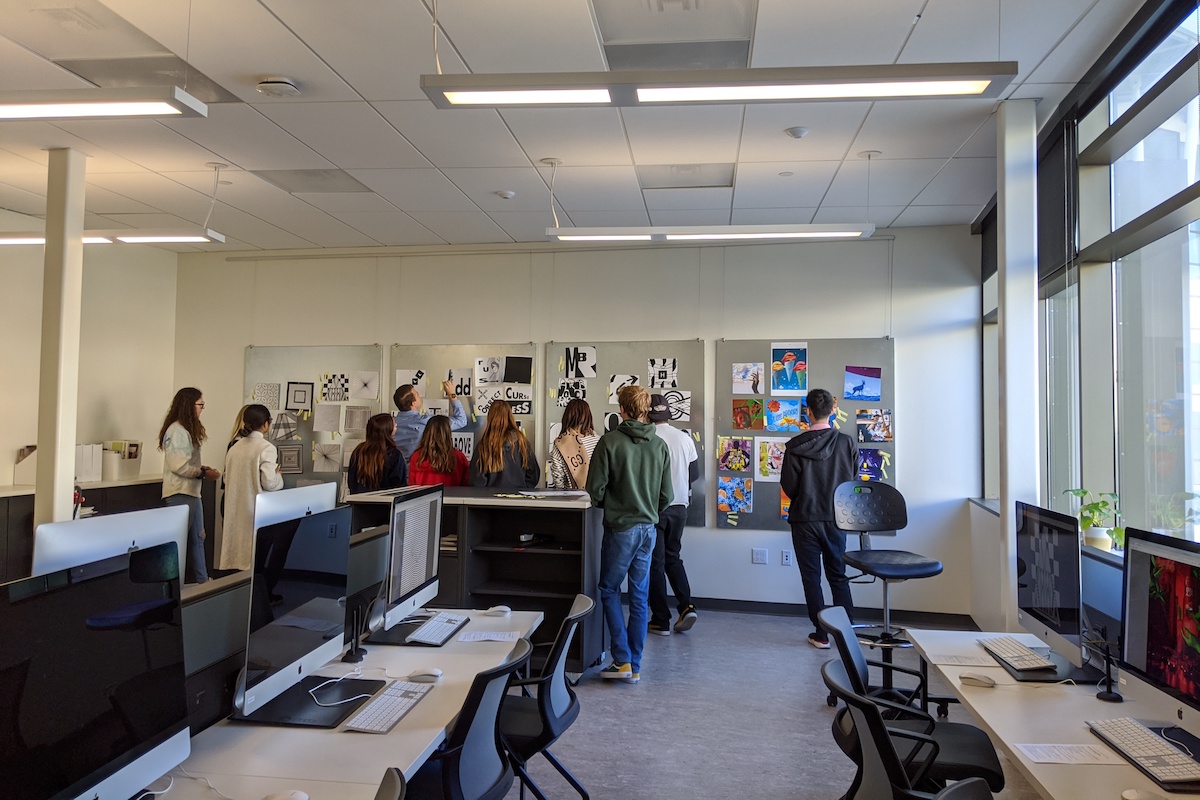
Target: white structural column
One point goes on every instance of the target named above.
(62, 302)
(1017, 302)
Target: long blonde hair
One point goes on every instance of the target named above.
(501, 429)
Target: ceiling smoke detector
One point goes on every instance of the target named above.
(278, 87)
(798, 132)
(507, 194)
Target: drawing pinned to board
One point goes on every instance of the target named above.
(663, 372)
(735, 495)
(411, 377)
(463, 379)
(299, 397)
(616, 383)
(863, 383)
(679, 403)
(464, 442)
(364, 385)
(488, 370)
(518, 369)
(284, 426)
(571, 389)
(748, 414)
(436, 407)
(769, 450)
(580, 362)
(291, 459)
(789, 369)
(783, 415)
(747, 377)
(611, 421)
(734, 453)
(875, 425)
(327, 457)
(335, 387)
(266, 394)
(785, 503)
(348, 448)
(327, 418)
(356, 419)
(873, 464)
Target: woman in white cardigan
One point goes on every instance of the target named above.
(250, 468)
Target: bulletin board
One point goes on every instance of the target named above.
(760, 396)
(594, 371)
(506, 370)
(320, 399)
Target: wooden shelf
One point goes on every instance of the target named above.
(563, 550)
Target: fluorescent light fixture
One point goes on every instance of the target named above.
(709, 86)
(132, 101)
(130, 236)
(711, 233)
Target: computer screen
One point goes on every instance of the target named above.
(1048, 580)
(92, 699)
(367, 579)
(416, 524)
(1162, 605)
(62, 545)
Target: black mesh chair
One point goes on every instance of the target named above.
(866, 507)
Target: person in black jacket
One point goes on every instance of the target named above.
(814, 463)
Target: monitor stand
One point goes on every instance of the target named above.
(1063, 670)
(296, 706)
(396, 634)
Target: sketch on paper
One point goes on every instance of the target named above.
(679, 402)
(616, 382)
(348, 448)
(733, 453)
(747, 377)
(335, 387)
(488, 370)
(663, 372)
(789, 369)
(463, 379)
(364, 385)
(863, 383)
(464, 442)
(327, 417)
(356, 419)
(580, 362)
(518, 369)
(570, 389)
(437, 407)
(783, 415)
(611, 421)
(284, 426)
(299, 397)
(327, 457)
(266, 394)
(411, 377)
(290, 459)
(874, 425)
(770, 457)
(873, 464)
(748, 414)
(735, 495)
(785, 503)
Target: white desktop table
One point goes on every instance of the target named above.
(247, 761)
(1038, 713)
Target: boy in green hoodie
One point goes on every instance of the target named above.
(630, 478)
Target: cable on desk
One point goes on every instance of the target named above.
(313, 691)
(1185, 748)
(152, 793)
(206, 781)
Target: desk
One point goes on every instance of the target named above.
(1031, 713)
(249, 761)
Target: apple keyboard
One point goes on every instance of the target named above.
(1146, 750)
(1015, 654)
(384, 710)
(438, 629)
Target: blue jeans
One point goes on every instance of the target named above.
(195, 543)
(626, 553)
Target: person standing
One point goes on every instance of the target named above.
(377, 463)
(179, 439)
(630, 478)
(435, 460)
(571, 452)
(250, 469)
(666, 563)
(814, 463)
(503, 457)
(411, 419)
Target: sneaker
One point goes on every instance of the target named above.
(687, 618)
(616, 671)
(659, 630)
(819, 640)
(634, 677)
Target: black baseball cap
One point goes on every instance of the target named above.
(659, 410)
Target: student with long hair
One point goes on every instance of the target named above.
(179, 439)
(250, 468)
(571, 452)
(503, 457)
(377, 463)
(435, 459)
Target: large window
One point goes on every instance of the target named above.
(1060, 410)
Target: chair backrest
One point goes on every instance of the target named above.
(836, 623)
(474, 766)
(869, 507)
(558, 695)
(882, 771)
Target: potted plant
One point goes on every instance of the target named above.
(1094, 513)
(1172, 513)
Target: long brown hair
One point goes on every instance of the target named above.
(436, 447)
(183, 410)
(500, 430)
(371, 455)
(577, 416)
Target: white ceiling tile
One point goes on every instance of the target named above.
(415, 189)
(337, 203)
(157, 192)
(772, 216)
(481, 185)
(714, 197)
(524, 226)
(962, 182)
(144, 221)
(579, 137)
(351, 135)
(102, 201)
(983, 143)
(892, 182)
(254, 231)
(245, 138)
(1076, 42)
(455, 137)
(460, 227)
(879, 216)
(145, 142)
(13, 165)
(594, 188)
(920, 216)
(950, 30)
(831, 129)
(691, 135)
(792, 34)
(390, 228)
(531, 36)
(760, 185)
(921, 128)
(22, 201)
(604, 219)
(31, 140)
(1047, 95)
(26, 70)
(672, 216)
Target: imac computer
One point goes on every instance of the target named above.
(365, 583)
(62, 545)
(92, 676)
(416, 525)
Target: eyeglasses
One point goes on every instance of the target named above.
(200, 405)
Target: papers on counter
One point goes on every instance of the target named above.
(489, 636)
(1069, 754)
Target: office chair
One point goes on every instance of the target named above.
(528, 724)
(392, 787)
(866, 507)
(904, 760)
(472, 764)
(836, 622)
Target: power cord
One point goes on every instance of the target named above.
(156, 793)
(313, 691)
(206, 781)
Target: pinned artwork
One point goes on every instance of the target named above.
(679, 402)
(335, 388)
(616, 382)
(299, 397)
(488, 370)
(356, 419)
(519, 407)
(580, 362)
(266, 394)
(291, 459)
(733, 453)
(284, 426)
(873, 464)
(348, 448)
(735, 495)
(785, 503)
(327, 457)
(327, 417)
(518, 369)
(570, 389)
(663, 372)
(863, 383)
(364, 386)
(769, 450)
(411, 377)
(437, 407)
(611, 421)
(783, 415)
(748, 414)
(875, 425)
(747, 377)
(464, 442)
(486, 394)
(463, 380)
(789, 369)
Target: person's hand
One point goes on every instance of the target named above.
(448, 388)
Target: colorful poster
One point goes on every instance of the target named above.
(784, 503)
(735, 495)
(783, 415)
(747, 377)
(769, 450)
(873, 464)
(875, 425)
(748, 414)
(863, 383)
(789, 369)
(733, 453)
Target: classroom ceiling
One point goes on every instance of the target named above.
(362, 158)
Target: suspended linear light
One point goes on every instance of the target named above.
(132, 101)
(711, 233)
(131, 236)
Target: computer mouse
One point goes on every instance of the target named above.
(426, 675)
(976, 679)
(1141, 794)
(498, 611)
(288, 794)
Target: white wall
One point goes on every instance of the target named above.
(127, 352)
(922, 288)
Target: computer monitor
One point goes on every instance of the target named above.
(416, 525)
(92, 678)
(366, 582)
(1162, 601)
(273, 507)
(62, 545)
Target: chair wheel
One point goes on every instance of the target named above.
(943, 710)
(831, 701)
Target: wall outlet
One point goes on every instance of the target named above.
(785, 558)
(332, 531)
(758, 555)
